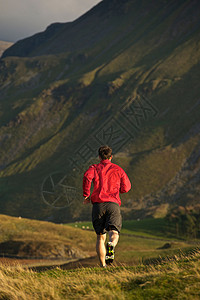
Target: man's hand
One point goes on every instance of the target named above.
(87, 200)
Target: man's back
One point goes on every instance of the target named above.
(109, 180)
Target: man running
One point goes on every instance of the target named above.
(109, 180)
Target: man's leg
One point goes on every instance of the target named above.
(114, 237)
(101, 249)
(110, 246)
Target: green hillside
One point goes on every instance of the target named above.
(32, 239)
(45, 244)
(124, 74)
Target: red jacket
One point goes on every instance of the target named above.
(108, 179)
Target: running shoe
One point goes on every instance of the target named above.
(110, 253)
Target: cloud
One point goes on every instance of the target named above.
(22, 18)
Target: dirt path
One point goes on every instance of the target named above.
(79, 263)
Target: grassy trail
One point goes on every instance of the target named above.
(176, 278)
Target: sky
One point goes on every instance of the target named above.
(23, 18)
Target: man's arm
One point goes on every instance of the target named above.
(87, 180)
(125, 184)
(86, 187)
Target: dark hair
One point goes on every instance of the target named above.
(105, 152)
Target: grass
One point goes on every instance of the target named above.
(138, 241)
(43, 239)
(141, 240)
(141, 270)
(148, 227)
(178, 278)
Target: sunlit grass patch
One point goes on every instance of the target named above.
(177, 278)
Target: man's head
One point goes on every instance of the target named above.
(105, 152)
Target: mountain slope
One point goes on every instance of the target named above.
(127, 74)
(112, 21)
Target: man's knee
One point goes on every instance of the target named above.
(113, 230)
(101, 237)
(114, 233)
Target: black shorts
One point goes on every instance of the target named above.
(106, 216)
